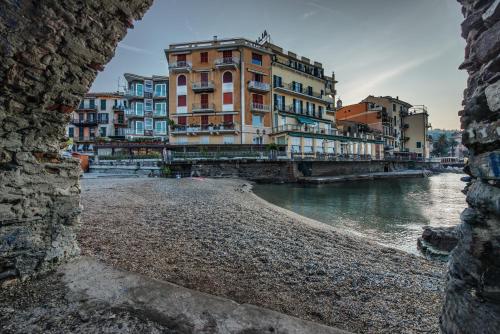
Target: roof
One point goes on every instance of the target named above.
(392, 99)
(132, 77)
(104, 94)
(226, 43)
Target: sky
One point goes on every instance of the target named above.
(406, 48)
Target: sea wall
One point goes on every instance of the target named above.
(472, 303)
(51, 52)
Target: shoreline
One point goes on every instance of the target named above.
(213, 236)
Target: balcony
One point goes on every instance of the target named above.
(103, 120)
(203, 86)
(259, 86)
(228, 62)
(131, 113)
(205, 129)
(304, 129)
(89, 108)
(180, 66)
(289, 88)
(159, 113)
(298, 111)
(84, 122)
(159, 95)
(132, 94)
(203, 107)
(133, 132)
(118, 108)
(259, 107)
(159, 133)
(84, 139)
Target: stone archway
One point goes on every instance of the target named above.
(51, 53)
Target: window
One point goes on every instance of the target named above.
(393, 107)
(320, 111)
(277, 81)
(139, 127)
(204, 120)
(258, 99)
(102, 131)
(227, 54)
(139, 89)
(257, 121)
(148, 86)
(204, 77)
(161, 127)
(204, 100)
(148, 123)
(102, 118)
(309, 90)
(228, 140)
(161, 109)
(181, 58)
(181, 80)
(227, 77)
(91, 103)
(148, 105)
(256, 59)
(182, 140)
(71, 132)
(228, 119)
(181, 101)
(182, 120)
(228, 98)
(258, 77)
(139, 108)
(103, 104)
(161, 90)
(419, 144)
(204, 57)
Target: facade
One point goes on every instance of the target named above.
(396, 109)
(220, 92)
(147, 111)
(415, 131)
(302, 97)
(99, 115)
(358, 139)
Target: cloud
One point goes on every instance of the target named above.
(135, 49)
(307, 15)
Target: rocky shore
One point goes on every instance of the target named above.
(216, 236)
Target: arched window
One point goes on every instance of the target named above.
(227, 77)
(181, 80)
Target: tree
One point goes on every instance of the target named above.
(453, 145)
(441, 146)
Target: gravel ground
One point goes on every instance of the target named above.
(216, 236)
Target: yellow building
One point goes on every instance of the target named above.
(220, 92)
(415, 131)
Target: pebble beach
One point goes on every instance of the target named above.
(216, 236)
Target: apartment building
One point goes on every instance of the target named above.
(147, 111)
(220, 92)
(99, 115)
(302, 98)
(396, 110)
(373, 115)
(415, 131)
(359, 140)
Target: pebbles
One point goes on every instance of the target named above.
(215, 236)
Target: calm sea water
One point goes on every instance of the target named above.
(391, 212)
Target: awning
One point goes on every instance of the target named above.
(305, 120)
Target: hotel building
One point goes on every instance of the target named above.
(99, 115)
(220, 92)
(147, 111)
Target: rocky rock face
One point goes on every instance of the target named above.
(50, 53)
(437, 242)
(472, 302)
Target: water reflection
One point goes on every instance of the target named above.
(388, 211)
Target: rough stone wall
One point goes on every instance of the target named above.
(472, 303)
(50, 52)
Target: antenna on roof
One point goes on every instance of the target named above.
(264, 38)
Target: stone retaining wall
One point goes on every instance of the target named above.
(472, 303)
(51, 52)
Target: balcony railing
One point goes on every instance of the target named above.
(159, 95)
(299, 111)
(259, 107)
(305, 129)
(134, 113)
(304, 91)
(213, 128)
(118, 108)
(203, 107)
(180, 66)
(259, 86)
(203, 86)
(84, 122)
(159, 133)
(89, 108)
(133, 132)
(119, 121)
(103, 120)
(84, 138)
(133, 93)
(227, 62)
(159, 113)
